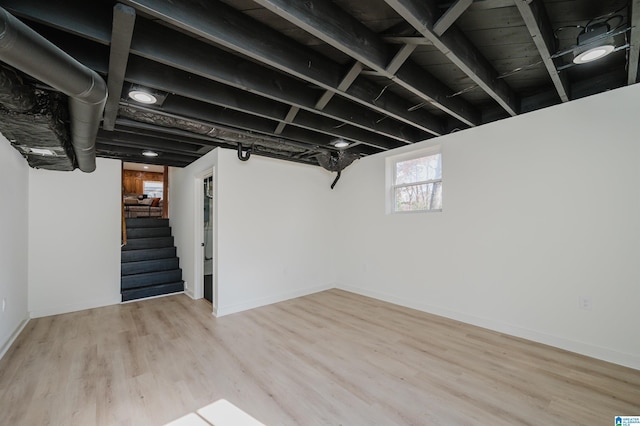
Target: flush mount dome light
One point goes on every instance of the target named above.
(142, 96)
(150, 154)
(593, 54)
(341, 143)
(593, 44)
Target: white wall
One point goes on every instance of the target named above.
(539, 210)
(273, 222)
(14, 189)
(182, 214)
(74, 239)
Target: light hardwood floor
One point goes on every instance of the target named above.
(332, 358)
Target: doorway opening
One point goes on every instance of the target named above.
(207, 216)
(145, 191)
(205, 221)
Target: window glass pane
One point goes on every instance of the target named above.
(152, 189)
(426, 196)
(419, 169)
(414, 197)
(436, 199)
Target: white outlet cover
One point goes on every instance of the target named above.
(585, 303)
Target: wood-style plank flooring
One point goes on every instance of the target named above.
(332, 358)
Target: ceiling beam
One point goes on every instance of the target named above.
(137, 148)
(184, 107)
(345, 83)
(454, 45)
(179, 51)
(450, 16)
(161, 44)
(166, 133)
(293, 111)
(221, 24)
(227, 138)
(535, 17)
(174, 146)
(336, 27)
(168, 79)
(400, 58)
(417, 40)
(86, 19)
(189, 109)
(634, 42)
(124, 18)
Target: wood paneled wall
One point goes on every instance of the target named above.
(132, 180)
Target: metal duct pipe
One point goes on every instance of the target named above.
(28, 51)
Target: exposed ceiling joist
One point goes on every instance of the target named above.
(450, 16)
(168, 79)
(217, 22)
(400, 58)
(119, 147)
(291, 115)
(345, 83)
(455, 46)
(334, 26)
(160, 44)
(634, 42)
(291, 83)
(535, 17)
(124, 18)
(174, 146)
(163, 133)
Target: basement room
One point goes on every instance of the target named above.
(320, 212)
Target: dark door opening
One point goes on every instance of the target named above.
(208, 238)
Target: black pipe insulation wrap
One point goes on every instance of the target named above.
(243, 156)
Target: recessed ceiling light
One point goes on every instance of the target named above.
(593, 54)
(150, 154)
(142, 97)
(593, 43)
(341, 143)
(146, 167)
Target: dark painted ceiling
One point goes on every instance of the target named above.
(289, 78)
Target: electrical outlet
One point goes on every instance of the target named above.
(4, 303)
(584, 302)
(186, 286)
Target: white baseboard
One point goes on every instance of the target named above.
(256, 303)
(12, 338)
(89, 304)
(604, 354)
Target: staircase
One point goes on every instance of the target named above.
(149, 266)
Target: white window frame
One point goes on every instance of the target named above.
(391, 186)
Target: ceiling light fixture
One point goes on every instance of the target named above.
(150, 154)
(42, 151)
(142, 96)
(341, 143)
(593, 43)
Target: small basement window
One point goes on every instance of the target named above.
(416, 182)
